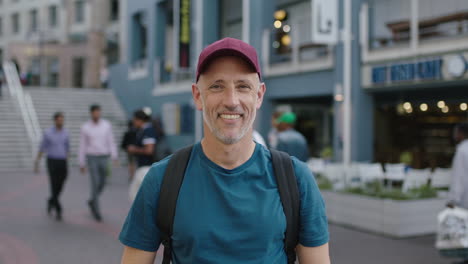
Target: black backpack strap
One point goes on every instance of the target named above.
(289, 195)
(170, 187)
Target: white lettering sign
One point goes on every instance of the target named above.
(324, 21)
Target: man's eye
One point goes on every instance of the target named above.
(244, 87)
(215, 87)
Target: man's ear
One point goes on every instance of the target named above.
(260, 93)
(197, 97)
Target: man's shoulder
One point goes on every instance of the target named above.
(156, 172)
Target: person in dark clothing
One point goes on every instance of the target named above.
(143, 149)
(162, 150)
(56, 144)
(128, 139)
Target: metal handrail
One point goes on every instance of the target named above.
(25, 105)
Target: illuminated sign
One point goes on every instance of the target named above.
(184, 34)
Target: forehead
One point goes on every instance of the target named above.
(228, 66)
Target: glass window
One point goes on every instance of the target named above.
(231, 19)
(53, 18)
(139, 36)
(389, 23)
(78, 65)
(114, 10)
(15, 23)
(53, 70)
(33, 20)
(1, 26)
(79, 11)
(441, 19)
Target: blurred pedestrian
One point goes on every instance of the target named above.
(290, 140)
(458, 194)
(163, 148)
(143, 149)
(129, 138)
(96, 145)
(56, 144)
(273, 133)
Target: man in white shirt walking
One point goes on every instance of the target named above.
(96, 145)
(459, 187)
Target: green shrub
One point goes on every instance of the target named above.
(378, 190)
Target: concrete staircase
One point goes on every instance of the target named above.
(15, 148)
(74, 103)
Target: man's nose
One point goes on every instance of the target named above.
(231, 97)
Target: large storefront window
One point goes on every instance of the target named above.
(418, 131)
(173, 41)
(314, 122)
(291, 33)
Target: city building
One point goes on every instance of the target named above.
(406, 66)
(61, 43)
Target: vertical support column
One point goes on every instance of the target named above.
(246, 21)
(176, 23)
(198, 48)
(414, 28)
(347, 27)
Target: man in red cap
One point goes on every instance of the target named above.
(228, 208)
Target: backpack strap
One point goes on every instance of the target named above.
(289, 195)
(170, 188)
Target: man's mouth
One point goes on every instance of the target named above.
(230, 116)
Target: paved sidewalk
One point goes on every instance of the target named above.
(29, 236)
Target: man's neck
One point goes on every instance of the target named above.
(228, 156)
(58, 128)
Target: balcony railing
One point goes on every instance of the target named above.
(444, 26)
(165, 72)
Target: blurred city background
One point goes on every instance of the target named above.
(377, 87)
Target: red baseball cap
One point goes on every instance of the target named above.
(228, 47)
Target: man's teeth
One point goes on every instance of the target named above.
(230, 116)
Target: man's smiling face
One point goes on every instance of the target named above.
(229, 94)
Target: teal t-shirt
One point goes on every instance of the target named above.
(226, 216)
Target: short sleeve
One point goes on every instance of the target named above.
(140, 230)
(149, 137)
(313, 220)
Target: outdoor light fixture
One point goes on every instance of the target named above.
(276, 44)
(441, 104)
(280, 15)
(409, 110)
(339, 97)
(463, 106)
(423, 107)
(277, 24)
(286, 28)
(286, 40)
(445, 109)
(407, 106)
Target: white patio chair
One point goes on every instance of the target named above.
(316, 165)
(335, 173)
(441, 177)
(395, 172)
(370, 172)
(415, 179)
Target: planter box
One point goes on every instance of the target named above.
(384, 216)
